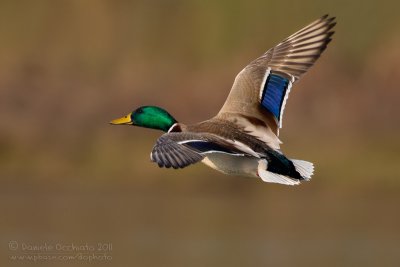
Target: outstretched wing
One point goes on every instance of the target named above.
(178, 150)
(261, 89)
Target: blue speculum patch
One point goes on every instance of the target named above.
(274, 92)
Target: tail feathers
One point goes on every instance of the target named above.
(271, 177)
(305, 168)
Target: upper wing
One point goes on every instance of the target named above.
(261, 89)
(181, 149)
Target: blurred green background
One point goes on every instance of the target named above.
(69, 67)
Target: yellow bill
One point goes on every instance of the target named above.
(124, 120)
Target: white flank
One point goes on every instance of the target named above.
(232, 165)
(305, 168)
(271, 177)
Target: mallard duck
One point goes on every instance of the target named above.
(242, 139)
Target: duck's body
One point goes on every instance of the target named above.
(227, 147)
(231, 164)
(242, 139)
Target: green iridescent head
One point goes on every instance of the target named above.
(148, 117)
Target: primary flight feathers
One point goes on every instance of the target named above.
(287, 61)
(242, 139)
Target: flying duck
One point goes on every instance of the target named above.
(242, 139)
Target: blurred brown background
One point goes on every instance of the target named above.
(67, 177)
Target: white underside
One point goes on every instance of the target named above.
(232, 165)
(254, 167)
